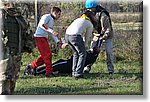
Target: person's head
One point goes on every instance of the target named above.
(91, 16)
(56, 12)
(96, 50)
(91, 5)
(6, 5)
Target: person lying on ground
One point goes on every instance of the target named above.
(65, 66)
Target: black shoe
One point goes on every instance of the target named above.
(29, 70)
(50, 75)
(111, 73)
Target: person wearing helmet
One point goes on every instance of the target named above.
(104, 29)
(91, 5)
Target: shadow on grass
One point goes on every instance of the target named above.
(107, 76)
(100, 90)
(56, 90)
(102, 82)
(93, 75)
(115, 75)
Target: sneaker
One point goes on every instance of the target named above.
(50, 75)
(29, 70)
(87, 69)
(111, 73)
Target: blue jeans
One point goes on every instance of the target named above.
(76, 43)
(109, 49)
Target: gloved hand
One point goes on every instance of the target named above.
(96, 34)
(57, 34)
(62, 45)
(104, 37)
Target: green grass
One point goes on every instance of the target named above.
(127, 80)
(92, 84)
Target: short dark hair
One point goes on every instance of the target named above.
(55, 9)
(91, 15)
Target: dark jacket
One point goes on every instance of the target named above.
(104, 24)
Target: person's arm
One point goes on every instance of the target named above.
(88, 34)
(54, 38)
(43, 24)
(106, 27)
(46, 28)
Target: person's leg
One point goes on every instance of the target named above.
(108, 47)
(10, 72)
(62, 66)
(93, 44)
(46, 53)
(12, 86)
(38, 62)
(31, 68)
(5, 72)
(79, 55)
(82, 58)
(16, 70)
(69, 39)
(4, 83)
(90, 60)
(75, 59)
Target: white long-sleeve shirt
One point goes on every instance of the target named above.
(79, 27)
(42, 32)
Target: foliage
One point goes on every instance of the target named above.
(126, 17)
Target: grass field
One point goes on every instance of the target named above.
(127, 80)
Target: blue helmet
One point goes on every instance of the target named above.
(91, 4)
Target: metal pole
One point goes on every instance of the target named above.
(35, 13)
(1, 53)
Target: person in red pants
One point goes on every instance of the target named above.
(43, 31)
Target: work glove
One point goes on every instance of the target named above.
(104, 37)
(61, 45)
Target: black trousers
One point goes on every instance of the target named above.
(65, 66)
